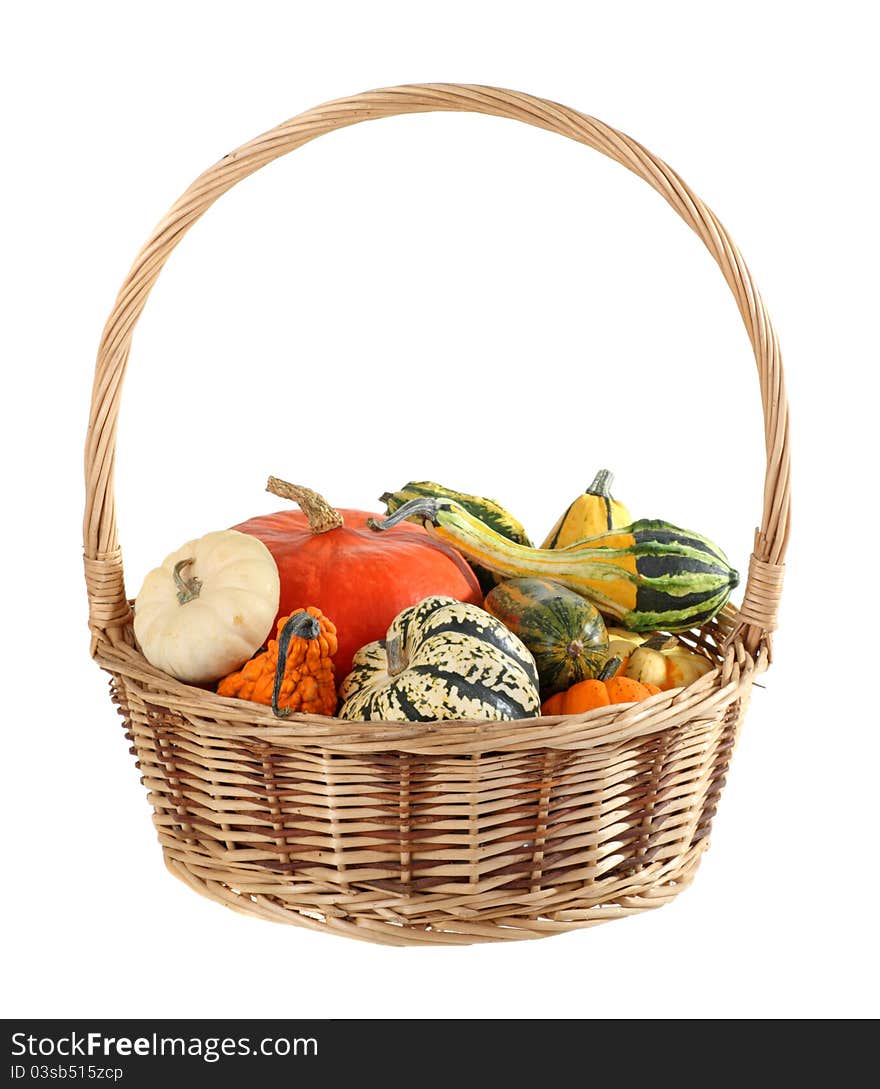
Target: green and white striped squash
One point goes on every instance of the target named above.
(650, 575)
(442, 659)
(564, 632)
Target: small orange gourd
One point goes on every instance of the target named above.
(609, 687)
(295, 672)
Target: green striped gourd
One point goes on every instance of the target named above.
(563, 630)
(487, 510)
(442, 659)
(649, 575)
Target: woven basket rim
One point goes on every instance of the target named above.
(615, 724)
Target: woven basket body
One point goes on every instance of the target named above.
(452, 832)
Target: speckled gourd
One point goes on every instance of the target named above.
(442, 659)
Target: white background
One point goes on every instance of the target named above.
(469, 300)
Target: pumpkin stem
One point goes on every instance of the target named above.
(322, 517)
(425, 507)
(305, 626)
(609, 669)
(187, 589)
(397, 659)
(601, 484)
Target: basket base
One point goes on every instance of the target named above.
(396, 930)
(409, 835)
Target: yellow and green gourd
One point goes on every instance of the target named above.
(594, 512)
(487, 510)
(649, 575)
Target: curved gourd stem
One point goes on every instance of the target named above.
(300, 624)
(187, 589)
(609, 669)
(425, 507)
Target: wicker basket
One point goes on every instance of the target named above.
(421, 833)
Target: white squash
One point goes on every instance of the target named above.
(209, 607)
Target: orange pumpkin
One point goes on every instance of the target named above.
(609, 687)
(295, 672)
(360, 578)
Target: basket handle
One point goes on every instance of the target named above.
(109, 613)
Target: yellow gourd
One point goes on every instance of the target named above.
(594, 512)
(670, 666)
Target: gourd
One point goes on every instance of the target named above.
(208, 606)
(666, 663)
(295, 672)
(609, 687)
(656, 659)
(594, 512)
(621, 643)
(487, 510)
(442, 659)
(648, 575)
(564, 632)
(330, 559)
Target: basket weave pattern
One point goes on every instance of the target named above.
(422, 833)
